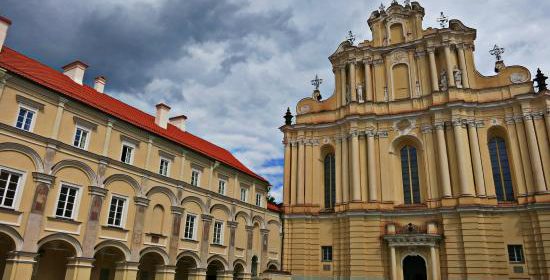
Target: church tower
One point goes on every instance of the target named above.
(417, 165)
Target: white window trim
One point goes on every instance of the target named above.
(245, 195)
(125, 143)
(76, 209)
(124, 211)
(259, 200)
(221, 232)
(86, 143)
(195, 226)
(224, 186)
(33, 121)
(20, 186)
(198, 177)
(167, 167)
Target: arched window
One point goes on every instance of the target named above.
(330, 181)
(409, 171)
(501, 169)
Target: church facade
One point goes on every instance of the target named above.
(92, 188)
(417, 166)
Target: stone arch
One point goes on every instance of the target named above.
(409, 191)
(116, 244)
(164, 190)
(79, 165)
(27, 151)
(190, 254)
(327, 149)
(273, 263)
(14, 235)
(63, 237)
(219, 258)
(222, 207)
(124, 178)
(402, 140)
(241, 262)
(277, 223)
(259, 220)
(197, 200)
(245, 216)
(497, 130)
(156, 250)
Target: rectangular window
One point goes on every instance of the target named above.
(164, 167)
(127, 155)
(326, 253)
(195, 176)
(221, 186)
(25, 119)
(116, 211)
(515, 253)
(189, 232)
(218, 233)
(66, 202)
(258, 199)
(81, 138)
(9, 182)
(244, 194)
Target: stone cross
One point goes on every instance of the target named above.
(316, 82)
(351, 37)
(443, 20)
(497, 52)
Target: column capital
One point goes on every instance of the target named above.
(264, 231)
(207, 217)
(94, 190)
(232, 224)
(249, 228)
(178, 210)
(439, 125)
(43, 178)
(382, 134)
(430, 50)
(370, 133)
(426, 129)
(141, 201)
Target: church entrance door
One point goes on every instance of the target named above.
(414, 268)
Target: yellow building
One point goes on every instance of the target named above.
(92, 188)
(417, 166)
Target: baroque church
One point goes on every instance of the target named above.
(418, 166)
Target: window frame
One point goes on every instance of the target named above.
(86, 141)
(193, 229)
(132, 154)
(245, 189)
(323, 259)
(124, 213)
(522, 254)
(222, 183)
(410, 181)
(20, 186)
(221, 235)
(504, 184)
(168, 165)
(33, 120)
(329, 181)
(75, 210)
(198, 172)
(258, 200)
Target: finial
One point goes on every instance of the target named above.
(394, 2)
(407, 2)
(351, 37)
(497, 52)
(382, 8)
(288, 117)
(443, 20)
(316, 82)
(540, 79)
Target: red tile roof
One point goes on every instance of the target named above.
(48, 77)
(273, 207)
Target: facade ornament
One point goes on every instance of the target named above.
(443, 20)
(407, 3)
(382, 8)
(386, 96)
(443, 82)
(288, 117)
(316, 82)
(497, 52)
(518, 78)
(351, 37)
(540, 79)
(426, 129)
(417, 89)
(360, 94)
(458, 77)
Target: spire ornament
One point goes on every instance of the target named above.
(288, 117)
(316, 83)
(497, 52)
(540, 79)
(382, 8)
(443, 20)
(351, 37)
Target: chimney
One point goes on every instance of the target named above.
(179, 122)
(99, 83)
(75, 71)
(4, 25)
(161, 118)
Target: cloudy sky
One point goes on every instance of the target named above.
(233, 67)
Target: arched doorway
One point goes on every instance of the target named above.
(414, 268)
(52, 259)
(105, 263)
(6, 245)
(254, 267)
(184, 265)
(214, 269)
(238, 272)
(148, 265)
